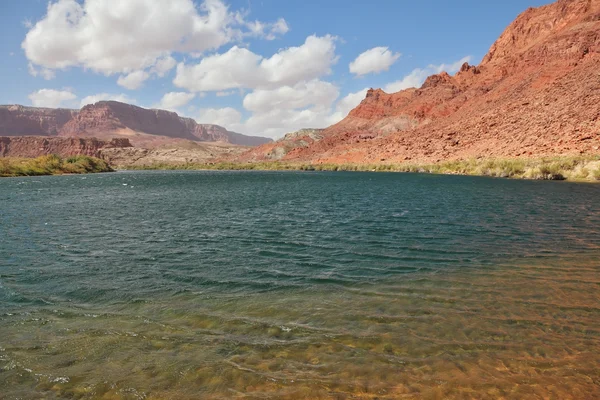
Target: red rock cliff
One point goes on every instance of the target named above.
(17, 120)
(536, 92)
(35, 146)
(108, 119)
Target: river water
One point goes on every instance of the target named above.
(298, 285)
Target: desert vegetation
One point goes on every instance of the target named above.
(52, 165)
(582, 168)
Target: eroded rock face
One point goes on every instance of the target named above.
(140, 124)
(35, 146)
(279, 149)
(177, 154)
(18, 120)
(111, 117)
(108, 119)
(535, 93)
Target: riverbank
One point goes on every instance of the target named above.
(52, 165)
(583, 168)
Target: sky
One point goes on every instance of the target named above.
(258, 67)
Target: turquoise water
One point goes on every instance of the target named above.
(292, 285)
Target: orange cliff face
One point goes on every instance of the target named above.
(536, 93)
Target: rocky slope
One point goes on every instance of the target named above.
(109, 119)
(536, 92)
(34, 146)
(175, 154)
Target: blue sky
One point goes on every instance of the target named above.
(263, 67)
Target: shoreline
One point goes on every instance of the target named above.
(52, 164)
(559, 168)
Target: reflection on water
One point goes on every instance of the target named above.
(388, 318)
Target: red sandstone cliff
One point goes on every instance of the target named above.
(34, 146)
(536, 92)
(109, 119)
(18, 120)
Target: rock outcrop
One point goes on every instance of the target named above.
(34, 146)
(109, 119)
(279, 149)
(176, 154)
(18, 120)
(536, 93)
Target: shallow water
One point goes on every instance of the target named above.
(275, 285)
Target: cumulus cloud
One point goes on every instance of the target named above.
(121, 37)
(173, 100)
(123, 98)
(51, 98)
(241, 68)
(275, 112)
(316, 94)
(418, 75)
(375, 60)
(227, 117)
(133, 80)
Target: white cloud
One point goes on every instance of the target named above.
(121, 37)
(228, 117)
(294, 115)
(277, 111)
(225, 93)
(123, 98)
(280, 27)
(173, 100)
(45, 73)
(51, 98)
(375, 60)
(418, 75)
(269, 31)
(241, 68)
(277, 122)
(164, 65)
(315, 94)
(133, 80)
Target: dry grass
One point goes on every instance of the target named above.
(584, 168)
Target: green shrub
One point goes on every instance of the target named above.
(51, 164)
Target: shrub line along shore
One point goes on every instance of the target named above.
(52, 165)
(583, 168)
(576, 168)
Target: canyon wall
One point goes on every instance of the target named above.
(109, 119)
(536, 93)
(35, 146)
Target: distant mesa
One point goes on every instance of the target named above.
(111, 119)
